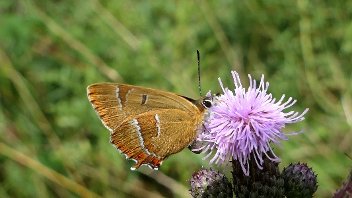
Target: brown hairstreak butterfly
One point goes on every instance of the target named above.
(147, 125)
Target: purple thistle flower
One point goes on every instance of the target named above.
(244, 122)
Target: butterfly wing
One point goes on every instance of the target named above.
(116, 102)
(147, 125)
(152, 136)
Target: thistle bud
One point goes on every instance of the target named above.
(300, 180)
(346, 190)
(210, 183)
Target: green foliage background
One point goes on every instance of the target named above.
(51, 141)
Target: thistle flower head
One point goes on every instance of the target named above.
(244, 122)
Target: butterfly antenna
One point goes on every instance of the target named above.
(199, 86)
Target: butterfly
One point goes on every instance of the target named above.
(147, 125)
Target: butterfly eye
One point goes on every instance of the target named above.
(207, 103)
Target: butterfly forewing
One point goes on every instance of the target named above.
(147, 125)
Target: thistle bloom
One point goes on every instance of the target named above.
(244, 123)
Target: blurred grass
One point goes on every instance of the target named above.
(52, 143)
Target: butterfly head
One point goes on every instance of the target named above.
(207, 102)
